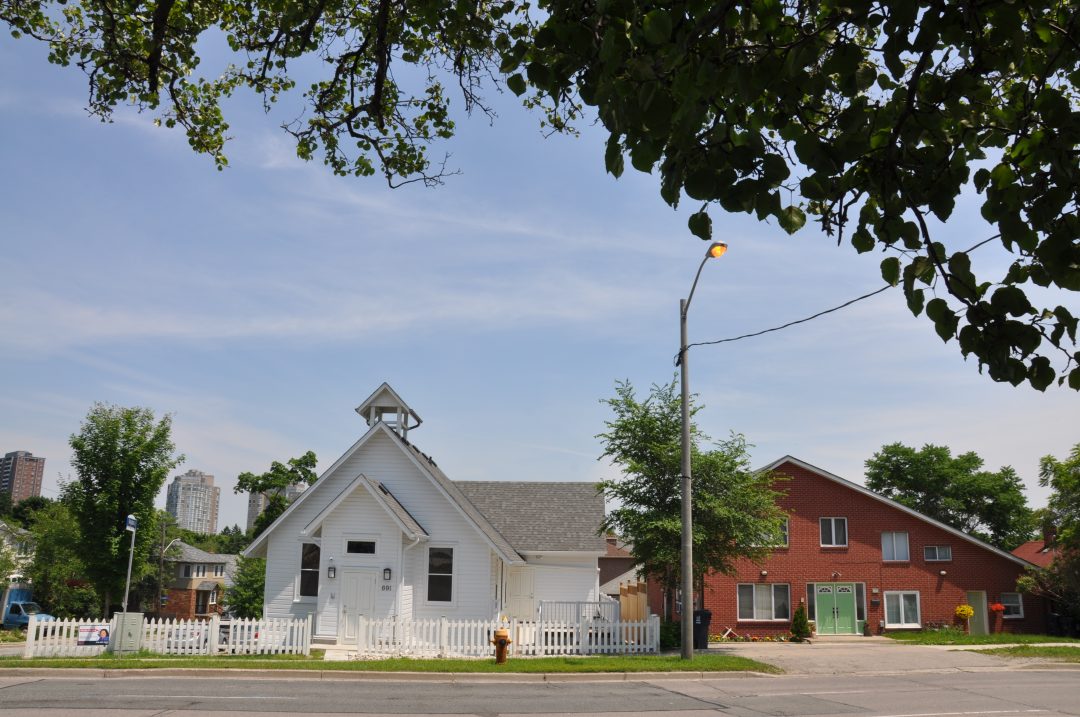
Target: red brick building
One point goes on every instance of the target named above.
(863, 562)
(196, 582)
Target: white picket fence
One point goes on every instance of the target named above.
(532, 638)
(59, 638)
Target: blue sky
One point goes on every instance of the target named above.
(261, 304)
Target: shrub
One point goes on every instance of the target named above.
(800, 626)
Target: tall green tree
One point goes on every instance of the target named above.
(7, 561)
(24, 510)
(59, 569)
(245, 596)
(121, 457)
(735, 514)
(955, 490)
(1060, 581)
(872, 118)
(274, 483)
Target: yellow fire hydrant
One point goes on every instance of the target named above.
(501, 641)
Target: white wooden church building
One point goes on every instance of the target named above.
(384, 533)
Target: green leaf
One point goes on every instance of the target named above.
(915, 301)
(862, 241)
(516, 83)
(700, 224)
(890, 270)
(613, 157)
(792, 219)
(657, 26)
(1040, 373)
(1074, 379)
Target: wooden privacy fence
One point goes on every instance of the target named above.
(633, 601)
(60, 638)
(571, 611)
(533, 638)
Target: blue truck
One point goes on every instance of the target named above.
(19, 606)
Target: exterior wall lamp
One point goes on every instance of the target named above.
(331, 572)
(386, 574)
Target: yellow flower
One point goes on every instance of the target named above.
(964, 612)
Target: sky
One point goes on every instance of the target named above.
(261, 304)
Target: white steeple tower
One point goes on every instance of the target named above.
(386, 406)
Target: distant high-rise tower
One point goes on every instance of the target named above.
(193, 501)
(20, 475)
(257, 501)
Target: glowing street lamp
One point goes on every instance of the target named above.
(715, 251)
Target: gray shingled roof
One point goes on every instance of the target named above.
(190, 554)
(397, 508)
(504, 546)
(538, 516)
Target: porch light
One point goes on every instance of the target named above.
(386, 574)
(943, 573)
(331, 572)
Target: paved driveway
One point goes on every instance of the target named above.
(863, 655)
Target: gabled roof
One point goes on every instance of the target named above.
(898, 506)
(1037, 552)
(191, 554)
(427, 467)
(538, 517)
(383, 497)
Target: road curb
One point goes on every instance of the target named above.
(340, 675)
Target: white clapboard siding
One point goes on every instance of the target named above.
(60, 638)
(531, 638)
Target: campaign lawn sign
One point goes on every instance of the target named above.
(94, 634)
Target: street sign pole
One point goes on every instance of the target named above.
(131, 524)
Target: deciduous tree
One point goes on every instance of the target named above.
(955, 490)
(245, 596)
(734, 508)
(121, 457)
(59, 570)
(872, 118)
(274, 485)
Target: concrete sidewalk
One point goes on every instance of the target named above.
(878, 655)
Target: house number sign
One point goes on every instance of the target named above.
(387, 588)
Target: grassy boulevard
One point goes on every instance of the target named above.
(636, 663)
(956, 637)
(1057, 654)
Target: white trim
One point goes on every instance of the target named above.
(1020, 603)
(833, 518)
(901, 593)
(297, 597)
(347, 538)
(452, 546)
(903, 508)
(937, 551)
(366, 403)
(907, 546)
(360, 480)
(772, 602)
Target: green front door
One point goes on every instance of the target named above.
(835, 607)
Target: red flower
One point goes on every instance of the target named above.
(997, 607)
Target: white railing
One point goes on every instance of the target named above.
(60, 638)
(570, 611)
(533, 638)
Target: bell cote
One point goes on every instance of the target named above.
(384, 405)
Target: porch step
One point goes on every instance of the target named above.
(339, 653)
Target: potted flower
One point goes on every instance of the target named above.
(996, 607)
(965, 612)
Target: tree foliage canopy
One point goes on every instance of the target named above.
(59, 568)
(274, 483)
(873, 118)
(954, 490)
(734, 508)
(245, 596)
(121, 458)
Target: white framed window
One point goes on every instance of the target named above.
(440, 575)
(764, 602)
(1014, 605)
(902, 608)
(833, 532)
(937, 553)
(219, 570)
(310, 554)
(200, 571)
(894, 547)
(783, 534)
(187, 570)
(213, 597)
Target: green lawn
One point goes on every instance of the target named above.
(12, 636)
(955, 637)
(1060, 654)
(634, 663)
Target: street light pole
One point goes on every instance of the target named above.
(130, 524)
(716, 250)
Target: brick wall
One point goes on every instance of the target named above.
(181, 605)
(810, 497)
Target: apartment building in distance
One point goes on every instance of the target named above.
(193, 500)
(257, 501)
(20, 475)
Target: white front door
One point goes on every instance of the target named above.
(357, 598)
(520, 600)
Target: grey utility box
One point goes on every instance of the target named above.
(129, 632)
